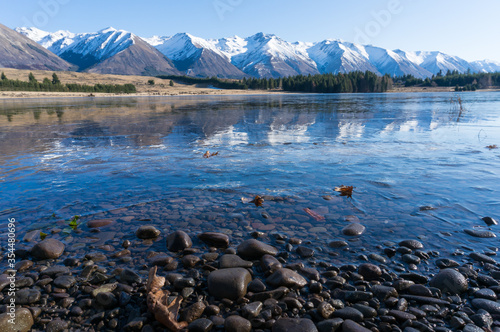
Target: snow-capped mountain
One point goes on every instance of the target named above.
(260, 55)
(108, 51)
(434, 62)
(486, 66)
(17, 51)
(270, 56)
(196, 56)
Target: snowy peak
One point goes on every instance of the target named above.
(260, 55)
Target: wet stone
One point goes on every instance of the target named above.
(64, 282)
(99, 223)
(178, 241)
(24, 265)
(294, 325)
(229, 283)
(193, 312)
(286, 277)
(353, 229)
(411, 259)
(330, 325)
(352, 326)
(482, 258)
(256, 286)
(411, 244)
(190, 261)
(325, 309)
(337, 244)
(254, 249)
(486, 293)
(490, 306)
(237, 324)
(200, 325)
(304, 252)
(22, 323)
(27, 296)
(445, 263)
(449, 280)
(106, 299)
(231, 261)
(369, 271)
(252, 310)
(129, 276)
(482, 319)
(218, 240)
(480, 234)
(147, 232)
(269, 263)
(160, 260)
(490, 221)
(48, 249)
(349, 313)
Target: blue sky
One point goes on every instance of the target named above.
(467, 29)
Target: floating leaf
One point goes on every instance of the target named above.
(73, 223)
(345, 190)
(43, 236)
(313, 214)
(258, 201)
(491, 147)
(208, 154)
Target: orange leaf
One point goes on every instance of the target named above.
(258, 201)
(313, 214)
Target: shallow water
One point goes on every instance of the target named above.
(420, 167)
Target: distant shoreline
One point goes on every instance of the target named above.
(161, 88)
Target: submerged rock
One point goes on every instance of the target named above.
(147, 232)
(353, 229)
(480, 234)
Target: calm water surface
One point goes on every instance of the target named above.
(420, 167)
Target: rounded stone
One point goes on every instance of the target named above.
(178, 241)
(147, 232)
(449, 280)
(229, 283)
(294, 325)
(480, 234)
(48, 249)
(57, 325)
(65, 282)
(218, 240)
(286, 277)
(351, 326)
(201, 325)
(99, 223)
(22, 323)
(237, 324)
(412, 244)
(492, 307)
(107, 300)
(229, 261)
(353, 229)
(349, 313)
(370, 271)
(27, 296)
(254, 249)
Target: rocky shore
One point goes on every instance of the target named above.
(261, 282)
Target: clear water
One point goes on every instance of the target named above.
(420, 167)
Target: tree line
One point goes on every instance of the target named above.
(352, 82)
(55, 85)
(462, 82)
(321, 83)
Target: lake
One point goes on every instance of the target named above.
(420, 167)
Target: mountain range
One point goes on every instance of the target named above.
(113, 51)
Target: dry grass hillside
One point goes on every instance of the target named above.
(160, 88)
